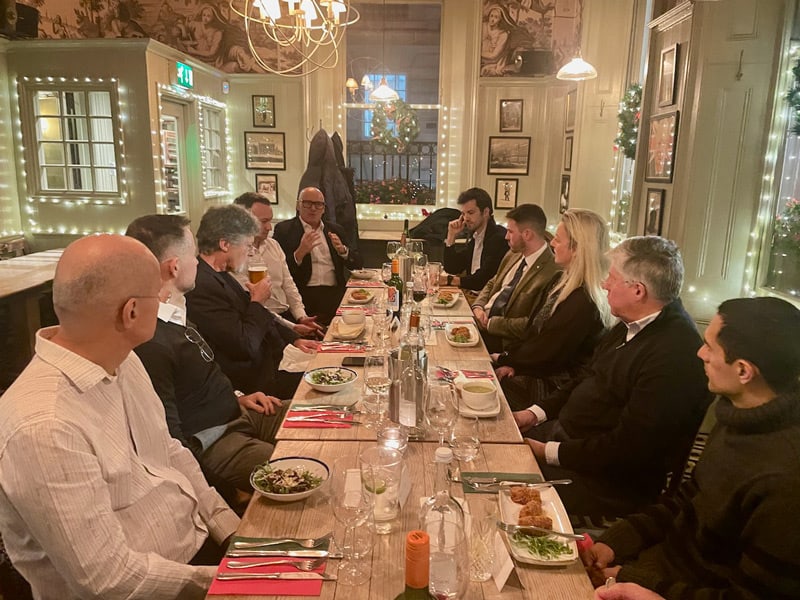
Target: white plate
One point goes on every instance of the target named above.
(351, 300)
(321, 387)
(340, 336)
(362, 274)
(474, 336)
(312, 465)
(435, 304)
(551, 504)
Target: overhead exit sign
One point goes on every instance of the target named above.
(185, 75)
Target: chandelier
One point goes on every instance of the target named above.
(311, 31)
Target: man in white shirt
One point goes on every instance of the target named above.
(96, 499)
(285, 300)
(317, 257)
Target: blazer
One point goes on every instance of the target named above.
(289, 233)
(528, 294)
(458, 259)
(247, 340)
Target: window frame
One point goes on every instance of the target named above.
(208, 190)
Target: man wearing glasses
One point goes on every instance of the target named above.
(316, 256)
(228, 432)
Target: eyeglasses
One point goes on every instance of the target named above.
(205, 350)
(310, 205)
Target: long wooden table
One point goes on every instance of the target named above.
(313, 517)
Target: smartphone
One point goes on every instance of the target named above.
(353, 361)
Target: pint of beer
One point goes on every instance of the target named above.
(256, 273)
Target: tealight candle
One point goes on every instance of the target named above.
(393, 436)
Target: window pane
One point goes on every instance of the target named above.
(54, 178)
(48, 129)
(100, 104)
(52, 154)
(103, 155)
(76, 129)
(46, 103)
(105, 180)
(102, 130)
(80, 179)
(78, 154)
(74, 103)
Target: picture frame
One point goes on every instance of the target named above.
(267, 185)
(511, 115)
(263, 111)
(667, 76)
(570, 110)
(505, 193)
(655, 211)
(568, 153)
(265, 150)
(563, 198)
(661, 143)
(509, 155)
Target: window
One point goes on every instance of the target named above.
(395, 81)
(75, 140)
(213, 149)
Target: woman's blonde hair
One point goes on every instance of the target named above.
(588, 240)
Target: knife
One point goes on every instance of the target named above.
(324, 407)
(321, 419)
(291, 553)
(234, 576)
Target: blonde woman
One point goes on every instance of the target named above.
(564, 329)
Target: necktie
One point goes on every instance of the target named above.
(499, 305)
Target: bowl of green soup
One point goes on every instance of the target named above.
(479, 395)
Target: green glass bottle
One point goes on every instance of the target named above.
(417, 567)
(394, 289)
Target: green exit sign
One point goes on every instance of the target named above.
(185, 75)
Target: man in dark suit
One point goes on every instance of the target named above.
(316, 256)
(247, 341)
(473, 264)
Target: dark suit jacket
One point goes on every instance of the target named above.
(458, 260)
(247, 340)
(288, 234)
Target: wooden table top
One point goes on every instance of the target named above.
(313, 517)
(24, 273)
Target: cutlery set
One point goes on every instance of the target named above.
(323, 418)
(309, 559)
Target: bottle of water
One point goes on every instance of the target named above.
(443, 518)
(408, 370)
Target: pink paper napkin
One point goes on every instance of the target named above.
(265, 587)
(316, 425)
(477, 374)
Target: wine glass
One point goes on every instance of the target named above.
(391, 249)
(434, 272)
(377, 381)
(415, 248)
(386, 272)
(419, 286)
(465, 439)
(353, 508)
(441, 407)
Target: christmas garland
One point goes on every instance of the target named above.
(793, 98)
(630, 111)
(406, 130)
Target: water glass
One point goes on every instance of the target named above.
(352, 507)
(394, 436)
(483, 515)
(386, 272)
(434, 272)
(465, 438)
(381, 471)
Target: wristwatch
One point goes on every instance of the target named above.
(449, 280)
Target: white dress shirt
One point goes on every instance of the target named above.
(96, 499)
(323, 271)
(477, 249)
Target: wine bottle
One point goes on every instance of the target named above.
(417, 567)
(404, 237)
(394, 289)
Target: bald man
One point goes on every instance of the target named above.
(96, 499)
(316, 255)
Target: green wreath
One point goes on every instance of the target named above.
(793, 98)
(406, 124)
(630, 111)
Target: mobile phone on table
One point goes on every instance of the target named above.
(353, 361)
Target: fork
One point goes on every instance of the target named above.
(509, 528)
(302, 565)
(484, 484)
(305, 543)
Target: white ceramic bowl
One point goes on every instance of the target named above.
(479, 394)
(312, 378)
(300, 463)
(353, 316)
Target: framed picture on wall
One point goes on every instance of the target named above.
(267, 185)
(661, 142)
(568, 153)
(511, 115)
(265, 150)
(667, 75)
(655, 211)
(569, 114)
(505, 193)
(509, 155)
(263, 111)
(563, 200)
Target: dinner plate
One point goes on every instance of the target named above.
(362, 274)
(436, 304)
(351, 300)
(552, 506)
(311, 465)
(352, 332)
(474, 336)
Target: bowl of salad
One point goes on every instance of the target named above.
(289, 479)
(330, 379)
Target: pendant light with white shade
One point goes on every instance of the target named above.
(577, 70)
